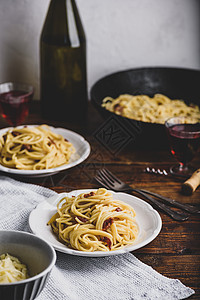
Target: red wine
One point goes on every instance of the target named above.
(14, 106)
(184, 141)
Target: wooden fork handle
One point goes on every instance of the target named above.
(190, 185)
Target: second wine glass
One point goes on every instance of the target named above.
(14, 102)
(184, 140)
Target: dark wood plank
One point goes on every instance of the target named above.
(175, 253)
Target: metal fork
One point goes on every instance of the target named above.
(109, 181)
(189, 208)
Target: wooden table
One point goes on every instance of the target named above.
(175, 252)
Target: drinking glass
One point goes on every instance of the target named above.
(184, 139)
(14, 102)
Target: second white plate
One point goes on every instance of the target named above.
(147, 218)
(82, 151)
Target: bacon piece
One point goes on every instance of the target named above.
(107, 223)
(89, 195)
(84, 220)
(26, 147)
(118, 108)
(15, 133)
(106, 240)
(118, 209)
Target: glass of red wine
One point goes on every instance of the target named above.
(184, 139)
(14, 102)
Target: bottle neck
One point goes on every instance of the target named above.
(72, 18)
(63, 25)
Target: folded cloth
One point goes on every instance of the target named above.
(119, 277)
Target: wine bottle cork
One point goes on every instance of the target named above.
(191, 184)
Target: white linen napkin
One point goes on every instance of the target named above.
(119, 277)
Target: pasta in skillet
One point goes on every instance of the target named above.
(153, 110)
(94, 222)
(34, 148)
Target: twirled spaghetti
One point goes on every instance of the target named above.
(94, 222)
(153, 110)
(34, 148)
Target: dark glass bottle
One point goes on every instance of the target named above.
(63, 63)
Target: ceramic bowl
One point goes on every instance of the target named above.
(36, 254)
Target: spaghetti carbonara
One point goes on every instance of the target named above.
(94, 222)
(11, 269)
(34, 148)
(153, 110)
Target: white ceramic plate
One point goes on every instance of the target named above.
(147, 218)
(82, 151)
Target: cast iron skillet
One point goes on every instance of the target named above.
(176, 83)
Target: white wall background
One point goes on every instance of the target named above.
(121, 34)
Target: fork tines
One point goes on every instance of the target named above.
(106, 178)
(108, 175)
